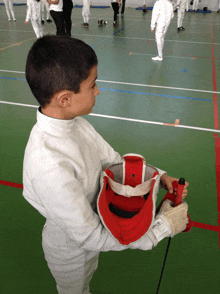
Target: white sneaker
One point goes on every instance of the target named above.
(157, 58)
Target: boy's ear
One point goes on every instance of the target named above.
(63, 98)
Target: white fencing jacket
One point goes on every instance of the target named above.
(33, 10)
(61, 176)
(162, 14)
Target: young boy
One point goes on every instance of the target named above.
(161, 17)
(63, 160)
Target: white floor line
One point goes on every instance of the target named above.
(124, 118)
(140, 85)
(161, 87)
(173, 56)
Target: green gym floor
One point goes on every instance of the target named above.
(166, 111)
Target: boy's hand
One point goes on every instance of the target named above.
(26, 22)
(166, 182)
(152, 31)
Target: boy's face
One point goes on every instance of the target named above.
(83, 102)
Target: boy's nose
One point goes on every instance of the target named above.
(97, 91)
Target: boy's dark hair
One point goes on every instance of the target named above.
(56, 63)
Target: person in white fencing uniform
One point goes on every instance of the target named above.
(181, 6)
(195, 5)
(64, 162)
(34, 14)
(9, 9)
(162, 15)
(45, 5)
(86, 12)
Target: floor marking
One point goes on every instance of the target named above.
(134, 38)
(173, 125)
(161, 87)
(216, 125)
(182, 57)
(127, 119)
(141, 85)
(19, 104)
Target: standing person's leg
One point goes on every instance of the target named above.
(59, 22)
(144, 7)
(180, 17)
(195, 5)
(11, 9)
(7, 9)
(86, 12)
(67, 20)
(159, 36)
(115, 8)
(71, 267)
(42, 11)
(123, 7)
(36, 27)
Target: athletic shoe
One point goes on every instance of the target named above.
(85, 25)
(145, 11)
(178, 30)
(14, 20)
(182, 28)
(9, 19)
(49, 20)
(42, 21)
(157, 58)
(115, 24)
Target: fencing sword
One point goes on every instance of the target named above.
(178, 200)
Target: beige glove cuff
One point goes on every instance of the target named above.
(177, 217)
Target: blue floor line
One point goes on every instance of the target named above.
(131, 92)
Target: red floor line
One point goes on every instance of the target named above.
(206, 227)
(11, 184)
(194, 224)
(216, 125)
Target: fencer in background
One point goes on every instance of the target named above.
(86, 12)
(45, 5)
(34, 14)
(9, 9)
(161, 17)
(195, 5)
(144, 7)
(181, 6)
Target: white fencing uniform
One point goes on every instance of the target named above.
(161, 17)
(9, 9)
(34, 13)
(180, 12)
(45, 4)
(86, 10)
(195, 4)
(63, 162)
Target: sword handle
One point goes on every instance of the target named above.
(180, 188)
